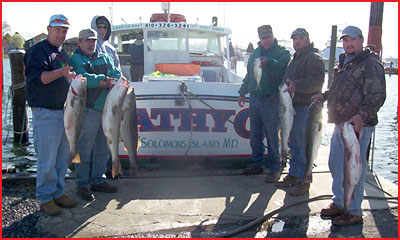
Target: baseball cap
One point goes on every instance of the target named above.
(300, 31)
(86, 34)
(352, 32)
(265, 31)
(58, 20)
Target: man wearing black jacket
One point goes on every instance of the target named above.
(304, 77)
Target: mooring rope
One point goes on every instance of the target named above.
(10, 94)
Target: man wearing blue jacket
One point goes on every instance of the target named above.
(264, 102)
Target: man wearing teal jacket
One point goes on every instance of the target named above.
(100, 72)
(264, 102)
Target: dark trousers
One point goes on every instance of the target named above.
(137, 72)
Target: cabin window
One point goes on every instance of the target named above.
(203, 43)
(167, 41)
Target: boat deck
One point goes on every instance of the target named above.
(190, 206)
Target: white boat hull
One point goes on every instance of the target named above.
(172, 125)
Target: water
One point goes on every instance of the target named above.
(386, 142)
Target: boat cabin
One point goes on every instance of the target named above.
(176, 47)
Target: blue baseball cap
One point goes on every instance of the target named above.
(58, 20)
(352, 32)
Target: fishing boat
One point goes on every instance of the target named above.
(187, 102)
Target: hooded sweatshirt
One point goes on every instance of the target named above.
(103, 46)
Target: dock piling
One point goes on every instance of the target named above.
(332, 54)
(20, 116)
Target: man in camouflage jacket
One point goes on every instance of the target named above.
(357, 92)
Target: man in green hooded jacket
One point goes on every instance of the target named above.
(264, 101)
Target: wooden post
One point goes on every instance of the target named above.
(332, 54)
(20, 116)
(375, 26)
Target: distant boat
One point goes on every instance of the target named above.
(325, 53)
(391, 65)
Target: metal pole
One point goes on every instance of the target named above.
(373, 149)
(332, 54)
(20, 116)
(228, 59)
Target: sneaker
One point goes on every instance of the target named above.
(300, 189)
(288, 181)
(85, 194)
(50, 208)
(331, 211)
(103, 187)
(347, 219)
(253, 170)
(273, 177)
(65, 202)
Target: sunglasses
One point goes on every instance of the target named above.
(102, 26)
(60, 21)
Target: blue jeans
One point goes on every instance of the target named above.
(52, 149)
(297, 143)
(336, 160)
(92, 139)
(264, 118)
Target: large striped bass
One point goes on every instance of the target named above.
(129, 129)
(352, 163)
(257, 72)
(313, 138)
(286, 112)
(74, 109)
(111, 120)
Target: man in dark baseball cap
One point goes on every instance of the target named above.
(262, 79)
(300, 32)
(265, 31)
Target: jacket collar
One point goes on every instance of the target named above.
(309, 49)
(95, 55)
(359, 58)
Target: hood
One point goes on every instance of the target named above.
(94, 26)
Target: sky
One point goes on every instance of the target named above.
(242, 18)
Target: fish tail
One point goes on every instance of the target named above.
(74, 157)
(138, 143)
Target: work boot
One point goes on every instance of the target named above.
(85, 194)
(347, 219)
(273, 177)
(300, 189)
(331, 211)
(65, 202)
(288, 181)
(103, 187)
(50, 208)
(253, 170)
